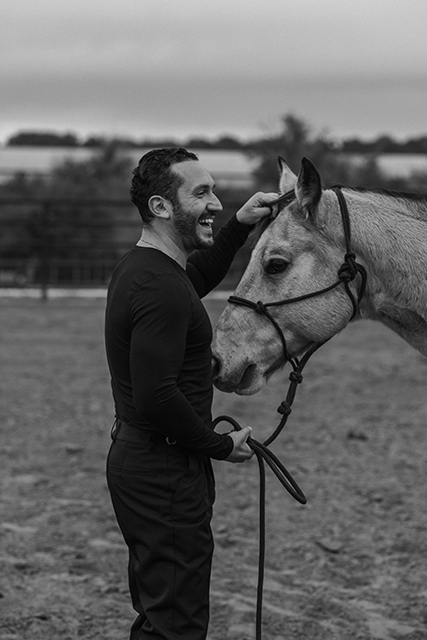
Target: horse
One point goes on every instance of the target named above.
(299, 253)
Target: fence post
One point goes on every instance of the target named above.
(45, 250)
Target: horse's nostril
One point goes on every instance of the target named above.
(215, 367)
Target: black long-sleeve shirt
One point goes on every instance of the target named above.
(158, 341)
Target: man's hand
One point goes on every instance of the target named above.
(241, 450)
(257, 208)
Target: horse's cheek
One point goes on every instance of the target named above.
(323, 319)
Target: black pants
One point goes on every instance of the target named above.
(162, 497)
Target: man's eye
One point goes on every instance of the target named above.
(276, 265)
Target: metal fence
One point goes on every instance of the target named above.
(74, 242)
(62, 241)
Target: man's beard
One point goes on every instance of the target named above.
(189, 231)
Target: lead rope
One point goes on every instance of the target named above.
(265, 456)
(346, 273)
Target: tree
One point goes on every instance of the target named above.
(296, 141)
(42, 139)
(70, 226)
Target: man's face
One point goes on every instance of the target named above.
(196, 207)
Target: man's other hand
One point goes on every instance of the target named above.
(241, 450)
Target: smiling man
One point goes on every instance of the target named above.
(158, 341)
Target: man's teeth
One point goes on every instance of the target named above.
(206, 221)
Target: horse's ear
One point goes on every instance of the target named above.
(309, 187)
(288, 178)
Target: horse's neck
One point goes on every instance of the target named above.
(389, 236)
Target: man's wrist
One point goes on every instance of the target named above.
(238, 217)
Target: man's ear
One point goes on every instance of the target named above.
(160, 207)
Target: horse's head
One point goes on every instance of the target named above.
(298, 253)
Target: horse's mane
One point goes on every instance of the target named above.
(264, 223)
(283, 200)
(400, 195)
(258, 230)
(261, 226)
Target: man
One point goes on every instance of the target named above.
(158, 338)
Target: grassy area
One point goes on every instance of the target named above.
(350, 564)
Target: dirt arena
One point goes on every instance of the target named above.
(349, 565)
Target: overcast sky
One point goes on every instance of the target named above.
(191, 67)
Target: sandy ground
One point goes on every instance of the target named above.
(351, 564)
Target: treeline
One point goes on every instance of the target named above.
(379, 145)
(53, 139)
(384, 144)
(72, 225)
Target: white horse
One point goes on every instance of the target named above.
(301, 252)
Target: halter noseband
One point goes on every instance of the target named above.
(346, 273)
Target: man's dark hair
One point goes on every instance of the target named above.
(153, 177)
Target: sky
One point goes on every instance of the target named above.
(186, 68)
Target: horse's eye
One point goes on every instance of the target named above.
(276, 265)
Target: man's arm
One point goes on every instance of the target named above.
(208, 267)
(160, 318)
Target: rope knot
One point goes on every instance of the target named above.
(348, 270)
(295, 376)
(284, 408)
(259, 307)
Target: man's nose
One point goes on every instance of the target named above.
(215, 204)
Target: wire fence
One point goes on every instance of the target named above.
(75, 242)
